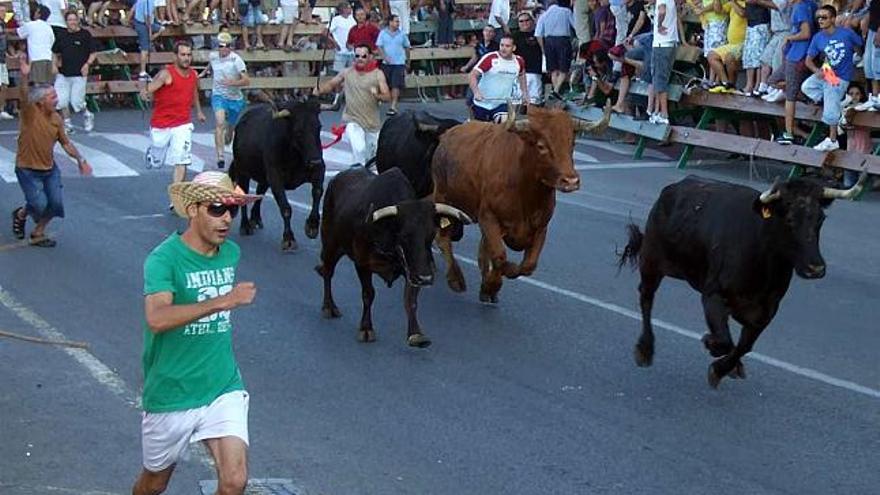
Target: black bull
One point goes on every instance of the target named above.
(280, 149)
(408, 141)
(378, 222)
(738, 247)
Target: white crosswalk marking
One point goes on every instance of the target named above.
(139, 142)
(103, 164)
(7, 165)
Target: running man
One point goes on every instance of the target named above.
(227, 100)
(492, 81)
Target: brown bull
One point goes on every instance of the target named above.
(506, 177)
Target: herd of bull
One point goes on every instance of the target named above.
(735, 245)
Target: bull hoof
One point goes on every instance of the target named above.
(418, 340)
(738, 372)
(311, 229)
(289, 246)
(457, 284)
(489, 298)
(644, 358)
(713, 378)
(330, 312)
(366, 335)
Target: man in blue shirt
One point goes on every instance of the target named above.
(394, 47)
(794, 46)
(837, 44)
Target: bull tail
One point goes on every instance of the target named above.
(630, 253)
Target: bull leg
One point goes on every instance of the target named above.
(246, 227)
(718, 341)
(414, 335)
(530, 257)
(644, 351)
(454, 276)
(314, 219)
(329, 259)
(256, 220)
(494, 254)
(731, 364)
(366, 333)
(288, 242)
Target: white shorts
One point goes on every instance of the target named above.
(363, 143)
(4, 75)
(71, 91)
(165, 436)
(161, 3)
(289, 13)
(174, 142)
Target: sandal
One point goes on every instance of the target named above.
(18, 223)
(42, 241)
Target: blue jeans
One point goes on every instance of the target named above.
(872, 58)
(42, 192)
(818, 90)
(143, 34)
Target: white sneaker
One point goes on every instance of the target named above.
(661, 120)
(5, 116)
(866, 105)
(89, 120)
(652, 118)
(776, 96)
(763, 88)
(827, 145)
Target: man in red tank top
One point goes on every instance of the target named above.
(176, 90)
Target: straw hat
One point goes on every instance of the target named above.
(207, 187)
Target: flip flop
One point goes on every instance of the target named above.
(18, 224)
(43, 241)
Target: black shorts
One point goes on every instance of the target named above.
(557, 51)
(395, 75)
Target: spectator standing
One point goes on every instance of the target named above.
(666, 38)
(289, 20)
(364, 87)
(75, 52)
(193, 390)
(227, 100)
(40, 39)
(38, 175)
(621, 23)
(528, 47)
(795, 48)
(487, 44)
(554, 35)
(872, 60)
(4, 71)
(363, 33)
(147, 30)
(394, 48)
(499, 17)
(603, 24)
(582, 21)
(57, 10)
(251, 16)
(757, 37)
(339, 28)
(492, 81)
(838, 44)
(724, 60)
(401, 9)
(772, 56)
(445, 23)
(177, 92)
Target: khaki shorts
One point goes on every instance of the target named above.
(166, 436)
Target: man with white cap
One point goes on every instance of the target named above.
(227, 100)
(193, 390)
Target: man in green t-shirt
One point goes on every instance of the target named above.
(193, 389)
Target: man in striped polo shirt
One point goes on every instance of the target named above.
(492, 81)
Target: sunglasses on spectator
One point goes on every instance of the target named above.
(361, 56)
(525, 19)
(217, 210)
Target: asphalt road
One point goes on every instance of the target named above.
(537, 395)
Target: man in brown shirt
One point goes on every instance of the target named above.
(364, 86)
(38, 175)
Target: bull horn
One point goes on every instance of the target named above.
(451, 211)
(511, 116)
(597, 126)
(281, 114)
(772, 194)
(388, 211)
(832, 193)
(427, 127)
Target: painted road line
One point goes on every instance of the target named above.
(580, 156)
(7, 165)
(620, 310)
(625, 166)
(139, 142)
(103, 164)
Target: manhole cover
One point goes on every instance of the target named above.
(266, 486)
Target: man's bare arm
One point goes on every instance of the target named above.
(162, 315)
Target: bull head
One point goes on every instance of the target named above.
(832, 193)
(388, 211)
(772, 194)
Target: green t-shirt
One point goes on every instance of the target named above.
(192, 365)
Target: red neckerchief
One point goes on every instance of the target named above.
(371, 66)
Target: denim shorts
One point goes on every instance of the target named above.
(232, 108)
(251, 15)
(42, 192)
(143, 34)
(662, 58)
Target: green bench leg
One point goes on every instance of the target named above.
(812, 138)
(707, 116)
(640, 148)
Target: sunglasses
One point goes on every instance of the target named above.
(524, 20)
(218, 210)
(361, 56)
